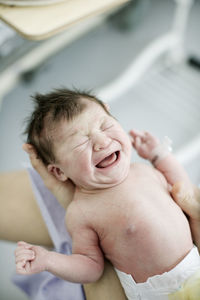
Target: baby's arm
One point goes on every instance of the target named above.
(85, 265)
(149, 147)
(30, 259)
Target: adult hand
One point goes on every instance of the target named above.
(63, 191)
(188, 199)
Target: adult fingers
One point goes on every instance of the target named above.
(37, 163)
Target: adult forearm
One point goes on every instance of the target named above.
(20, 217)
(75, 268)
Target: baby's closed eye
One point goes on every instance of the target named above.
(106, 126)
(81, 142)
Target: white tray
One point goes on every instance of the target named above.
(40, 22)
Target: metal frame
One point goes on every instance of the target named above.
(170, 43)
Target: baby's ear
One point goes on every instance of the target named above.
(57, 172)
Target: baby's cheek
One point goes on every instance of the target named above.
(84, 167)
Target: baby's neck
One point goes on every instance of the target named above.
(99, 189)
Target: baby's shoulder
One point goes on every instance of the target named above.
(71, 210)
(148, 170)
(139, 169)
(137, 166)
(74, 216)
(80, 210)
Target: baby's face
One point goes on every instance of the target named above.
(92, 150)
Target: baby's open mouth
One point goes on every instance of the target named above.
(108, 160)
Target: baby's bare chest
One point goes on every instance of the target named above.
(132, 218)
(122, 211)
(126, 211)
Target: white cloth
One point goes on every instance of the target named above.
(158, 287)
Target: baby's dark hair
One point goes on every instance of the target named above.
(49, 110)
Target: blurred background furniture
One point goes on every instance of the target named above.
(141, 57)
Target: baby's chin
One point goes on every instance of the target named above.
(101, 178)
(98, 185)
(112, 181)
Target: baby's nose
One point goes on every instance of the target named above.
(101, 142)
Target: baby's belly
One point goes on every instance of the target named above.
(149, 244)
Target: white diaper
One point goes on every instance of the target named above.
(158, 287)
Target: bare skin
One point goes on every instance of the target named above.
(126, 214)
(189, 201)
(20, 217)
(108, 286)
(108, 216)
(22, 211)
(125, 226)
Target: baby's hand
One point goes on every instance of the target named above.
(143, 142)
(30, 259)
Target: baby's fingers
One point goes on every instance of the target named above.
(136, 137)
(23, 268)
(24, 256)
(24, 245)
(134, 133)
(20, 267)
(21, 251)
